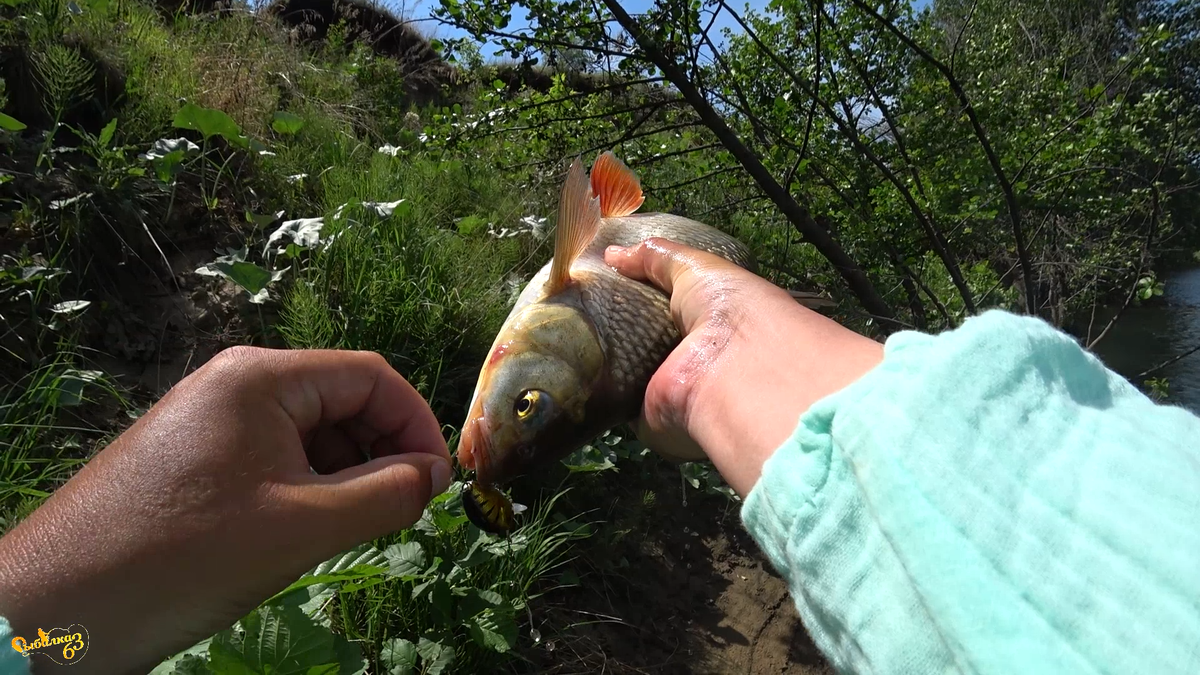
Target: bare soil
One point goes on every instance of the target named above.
(685, 590)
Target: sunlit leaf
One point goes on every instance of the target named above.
(286, 123)
(10, 124)
(209, 122)
(405, 560)
(70, 306)
(495, 630)
(437, 656)
(106, 134)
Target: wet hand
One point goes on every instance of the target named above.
(751, 361)
(207, 505)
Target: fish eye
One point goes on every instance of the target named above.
(527, 403)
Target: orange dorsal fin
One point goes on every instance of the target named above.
(578, 219)
(618, 187)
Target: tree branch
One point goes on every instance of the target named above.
(800, 217)
(1010, 197)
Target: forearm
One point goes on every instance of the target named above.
(750, 403)
(990, 500)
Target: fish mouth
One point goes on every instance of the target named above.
(474, 449)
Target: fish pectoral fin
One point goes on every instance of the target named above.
(618, 188)
(578, 220)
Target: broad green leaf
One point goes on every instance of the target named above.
(350, 659)
(106, 134)
(399, 656)
(208, 122)
(477, 552)
(286, 123)
(353, 574)
(276, 639)
(495, 630)
(247, 275)
(262, 220)
(405, 560)
(72, 383)
(196, 654)
(476, 601)
(436, 655)
(10, 124)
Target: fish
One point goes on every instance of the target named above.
(576, 352)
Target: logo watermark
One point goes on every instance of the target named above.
(63, 646)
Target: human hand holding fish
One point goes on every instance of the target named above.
(581, 350)
(751, 361)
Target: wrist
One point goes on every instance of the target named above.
(750, 403)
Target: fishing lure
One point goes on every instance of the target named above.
(489, 509)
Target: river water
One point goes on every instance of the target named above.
(1148, 335)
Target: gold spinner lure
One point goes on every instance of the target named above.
(489, 509)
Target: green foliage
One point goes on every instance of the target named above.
(10, 124)
(463, 589)
(373, 224)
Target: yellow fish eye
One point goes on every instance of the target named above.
(527, 403)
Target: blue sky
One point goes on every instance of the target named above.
(421, 9)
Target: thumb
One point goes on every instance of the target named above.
(375, 498)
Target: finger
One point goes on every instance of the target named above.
(331, 386)
(659, 261)
(664, 263)
(372, 499)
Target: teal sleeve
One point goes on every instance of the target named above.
(990, 500)
(12, 662)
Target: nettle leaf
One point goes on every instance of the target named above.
(399, 656)
(275, 639)
(405, 560)
(286, 123)
(493, 629)
(191, 661)
(10, 124)
(437, 655)
(476, 601)
(209, 122)
(477, 551)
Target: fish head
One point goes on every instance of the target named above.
(531, 402)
